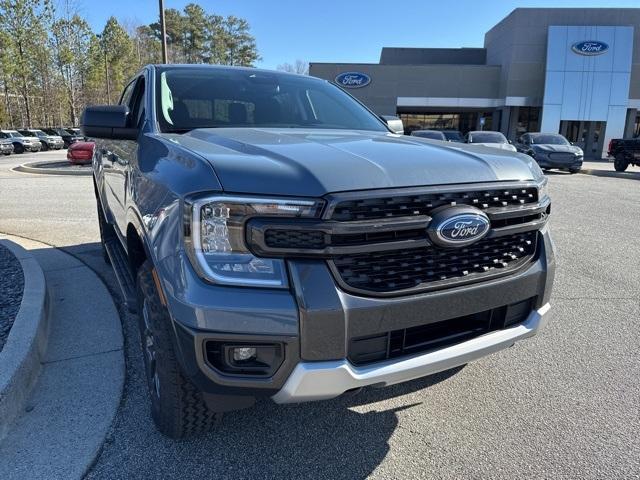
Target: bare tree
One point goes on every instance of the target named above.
(300, 67)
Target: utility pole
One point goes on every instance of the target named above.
(163, 33)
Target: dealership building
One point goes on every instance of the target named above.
(566, 70)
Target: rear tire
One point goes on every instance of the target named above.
(177, 406)
(620, 163)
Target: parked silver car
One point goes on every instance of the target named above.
(49, 142)
(20, 142)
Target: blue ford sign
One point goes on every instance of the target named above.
(353, 79)
(590, 47)
(458, 226)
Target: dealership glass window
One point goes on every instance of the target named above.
(463, 121)
(528, 120)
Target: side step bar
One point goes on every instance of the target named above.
(123, 275)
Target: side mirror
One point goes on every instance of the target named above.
(510, 142)
(108, 121)
(394, 123)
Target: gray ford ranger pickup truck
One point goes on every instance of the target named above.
(278, 239)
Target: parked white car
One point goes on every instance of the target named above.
(489, 139)
(20, 142)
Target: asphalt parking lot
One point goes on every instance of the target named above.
(565, 404)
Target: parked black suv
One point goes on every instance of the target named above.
(277, 239)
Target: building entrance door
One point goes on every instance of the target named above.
(588, 136)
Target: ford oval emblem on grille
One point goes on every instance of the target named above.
(458, 226)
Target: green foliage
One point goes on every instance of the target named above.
(52, 64)
(194, 36)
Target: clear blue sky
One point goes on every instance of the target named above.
(343, 30)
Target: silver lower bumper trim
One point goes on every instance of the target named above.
(322, 380)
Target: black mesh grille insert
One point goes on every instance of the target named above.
(423, 338)
(422, 204)
(278, 238)
(385, 272)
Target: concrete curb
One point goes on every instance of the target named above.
(21, 357)
(36, 167)
(71, 407)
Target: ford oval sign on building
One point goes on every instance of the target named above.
(590, 47)
(353, 80)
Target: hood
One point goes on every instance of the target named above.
(316, 162)
(54, 138)
(555, 148)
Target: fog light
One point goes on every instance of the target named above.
(242, 354)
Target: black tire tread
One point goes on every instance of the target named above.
(181, 410)
(620, 163)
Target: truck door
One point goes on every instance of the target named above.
(120, 154)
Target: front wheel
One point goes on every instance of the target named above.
(177, 406)
(18, 148)
(574, 170)
(620, 163)
(45, 147)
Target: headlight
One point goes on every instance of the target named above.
(214, 238)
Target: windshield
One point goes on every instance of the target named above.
(548, 140)
(40, 133)
(453, 136)
(487, 137)
(13, 133)
(428, 134)
(191, 98)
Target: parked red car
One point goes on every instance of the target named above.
(80, 152)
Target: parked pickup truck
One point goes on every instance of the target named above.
(277, 239)
(625, 152)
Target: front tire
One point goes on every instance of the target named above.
(620, 163)
(177, 406)
(45, 147)
(18, 148)
(574, 170)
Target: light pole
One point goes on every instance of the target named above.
(163, 33)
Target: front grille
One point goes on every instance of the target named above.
(397, 270)
(423, 338)
(423, 204)
(562, 156)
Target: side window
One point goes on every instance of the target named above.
(136, 104)
(126, 94)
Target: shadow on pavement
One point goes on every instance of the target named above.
(629, 175)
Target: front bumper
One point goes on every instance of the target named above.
(546, 162)
(323, 380)
(34, 147)
(316, 320)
